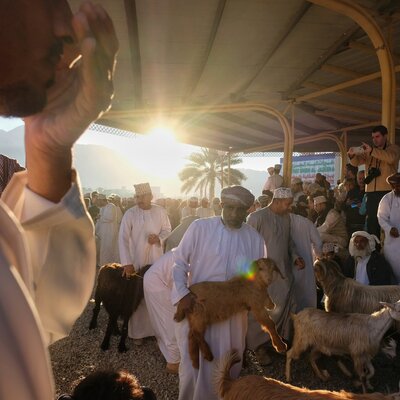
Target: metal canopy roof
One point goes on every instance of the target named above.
(191, 53)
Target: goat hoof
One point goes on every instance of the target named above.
(122, 348)
(281, 348)
(195, 364)
(105, 346)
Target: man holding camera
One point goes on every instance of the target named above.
(381, 160)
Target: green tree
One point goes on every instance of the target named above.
(204, 170)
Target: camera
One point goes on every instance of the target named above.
(372, 174)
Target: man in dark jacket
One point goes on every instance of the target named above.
(365, 264)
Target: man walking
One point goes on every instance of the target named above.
(143, 229)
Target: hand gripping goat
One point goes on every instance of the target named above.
(218, 301)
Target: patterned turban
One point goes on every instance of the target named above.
(142, 188)
(283, 193)
(237, 194)
(328, 247)
(319, 200)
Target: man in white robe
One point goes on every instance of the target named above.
(204, 211)
(273, 223)
(143, 229)
(389, 220)
(190, 209)
(157, 285)
(107, 231)
(275, 180)
(47, 251)
(308, 244)
(214, 249)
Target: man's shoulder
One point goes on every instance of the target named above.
(158, 208)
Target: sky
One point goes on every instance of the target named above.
(156, 156)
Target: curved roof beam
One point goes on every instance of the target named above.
(367, 22)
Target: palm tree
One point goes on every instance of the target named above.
(204, 170)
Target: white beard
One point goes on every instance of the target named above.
(359, 254)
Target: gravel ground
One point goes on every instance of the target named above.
(76, 356)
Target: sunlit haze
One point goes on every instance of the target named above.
(156, 157)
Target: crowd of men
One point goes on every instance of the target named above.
(56, 72)
(292, 225)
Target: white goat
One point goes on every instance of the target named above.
(357, 335)
(345, 295)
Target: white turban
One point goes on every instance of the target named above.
(283, 193)
(372, 239)
(319, 200)
(238, 194)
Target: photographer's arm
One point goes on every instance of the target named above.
(389, 155)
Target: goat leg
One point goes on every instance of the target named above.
(268, 325)
(194, 350)
(124, 333)
(112, 320)
(324, 374)
(344, 369)
(96, 310)
(289, 357)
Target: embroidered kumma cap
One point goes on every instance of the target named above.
(283, 193)
(142, 189)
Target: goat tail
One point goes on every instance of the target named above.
(222, 378)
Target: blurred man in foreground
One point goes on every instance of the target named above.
(47, 245)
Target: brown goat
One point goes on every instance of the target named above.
(120, 297)
(218, 301)
(259, 388)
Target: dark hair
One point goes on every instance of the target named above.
(110, 385)
(381, 129)
(352, 168)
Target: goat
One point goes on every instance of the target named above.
(215, 303)
(259, 387)
(357, 335)
(345, 295)
(120, 297)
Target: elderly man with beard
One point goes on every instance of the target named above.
(365, 264)
(389, 220)
(273, 223)
(214, 249)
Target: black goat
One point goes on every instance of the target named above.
(120, 297)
